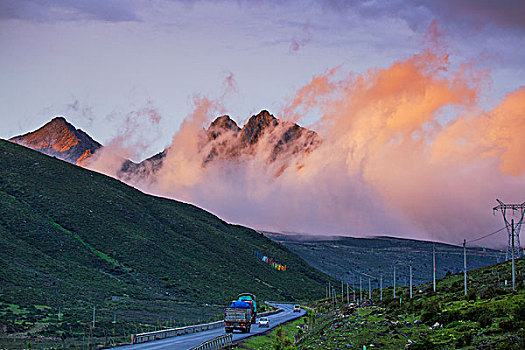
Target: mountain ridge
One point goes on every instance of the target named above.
(224, 140)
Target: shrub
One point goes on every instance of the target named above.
(455, 286)
(422, 344)
(491, 292)
(485, 320)
(520, 284)
(471, 295)
(464, 340)
(511, 343)
(387, 299)
(430, 312)
(474, 314)
(518, 313)
(507, 325)
(450, 316)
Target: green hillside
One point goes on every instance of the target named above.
(490, 316)
(347, 258)
(73, 239)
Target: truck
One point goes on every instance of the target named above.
(252, 300)
(238, 316)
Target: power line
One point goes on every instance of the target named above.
(488, 235)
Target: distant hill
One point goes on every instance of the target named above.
(347, 258)
(58, 138)
(73, 238)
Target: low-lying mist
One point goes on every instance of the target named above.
(406, 151)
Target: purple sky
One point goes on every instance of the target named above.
(409, 138)
(96, 61)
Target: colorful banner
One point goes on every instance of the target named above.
(269, 261)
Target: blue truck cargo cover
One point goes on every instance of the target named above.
(239, 304)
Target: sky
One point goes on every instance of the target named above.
(439, 73)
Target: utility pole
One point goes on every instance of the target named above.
(369, 288)
(347, 294)
(410, 281)
(353, 288)
(434, 265)
(342, 292)
(329, 289)
(513, 269)
(381, 286)
(93, 316)
(360, 288)
(465, 264)
(395, 281)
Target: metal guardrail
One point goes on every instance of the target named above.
(220, 342)
(167, 333)
(267, 313)
(280, 302)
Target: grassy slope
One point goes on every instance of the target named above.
(492, 316)
(374, 256)
(279, 337)
(73, 238)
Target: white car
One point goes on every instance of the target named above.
(297, 308)
(264, 322)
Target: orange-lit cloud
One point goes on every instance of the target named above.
(407, 150)
(494, 134)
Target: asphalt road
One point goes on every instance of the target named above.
(185, 342)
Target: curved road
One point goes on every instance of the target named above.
(185, 342)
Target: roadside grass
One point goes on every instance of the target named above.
(281, 337)
(490, 316)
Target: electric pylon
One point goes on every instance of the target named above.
(520, 208)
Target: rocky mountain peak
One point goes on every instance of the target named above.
(59, 138)
(220, 124)
(256, 125)
(225, 122)
(58, 120)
